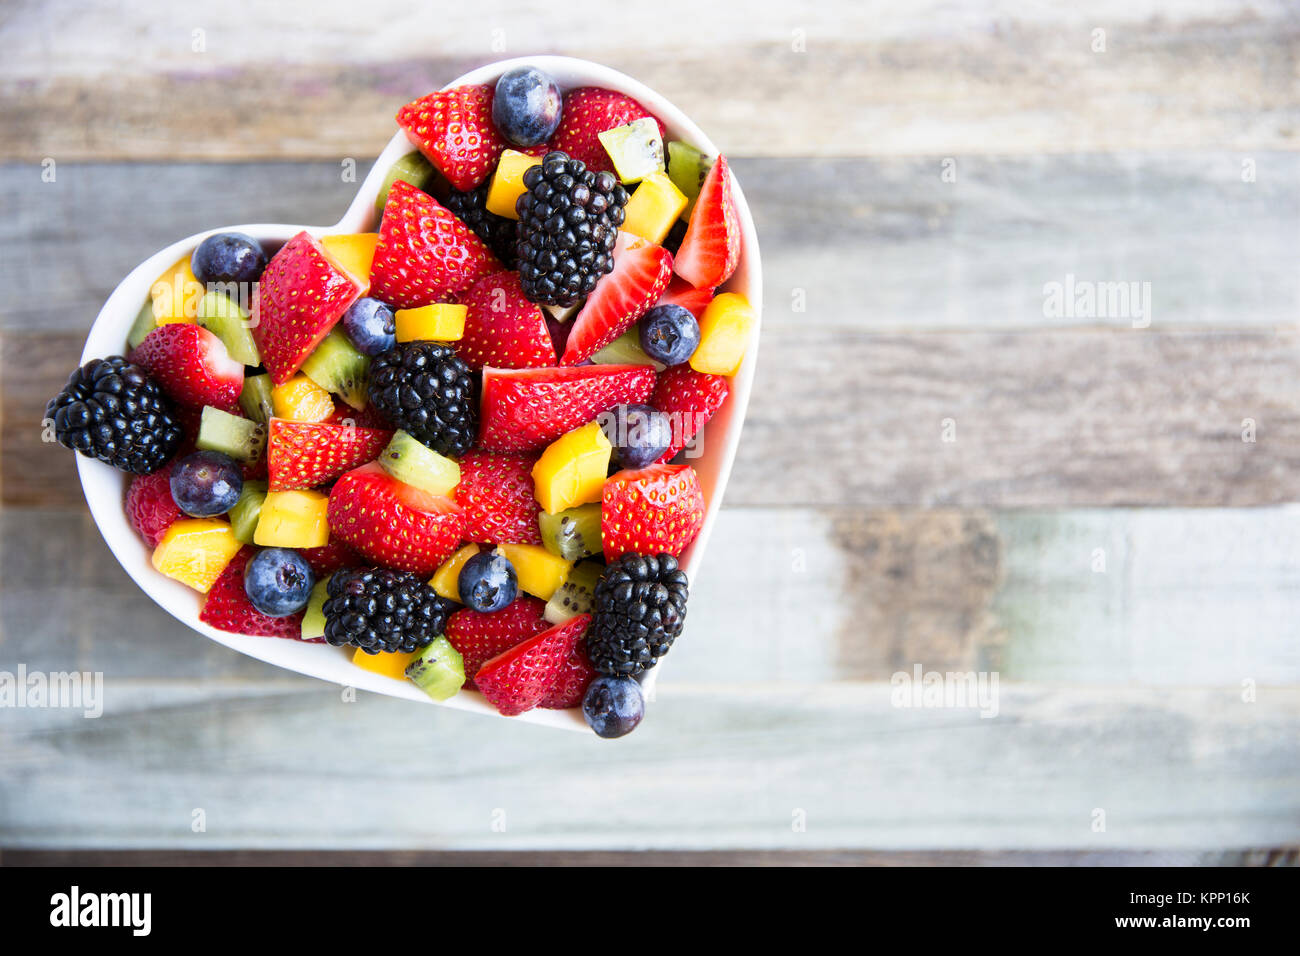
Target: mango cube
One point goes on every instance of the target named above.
(353, 253)
(725, 328)
(653, 208)
(301, 400)
(446, 580)
(572, 470)
(293, 519)
(195, 551)
(540, 573)
(176, 294)
(390, 664)
(432, 323)
(508, 182)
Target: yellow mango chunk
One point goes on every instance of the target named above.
(540, 573)
(725, 328)
(301, 400)
(353, 253)
(431, 323)
(653, 208)
(293, 519)
(572, 470)
(390, 664)
(446, 580)
(195, 551)
(176, 294)
(508, 182)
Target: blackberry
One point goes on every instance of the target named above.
(497, 232)
(640, 606)
(568, 224)
(424, 388)
(377, 609)
(112, 410)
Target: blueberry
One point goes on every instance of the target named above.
(487, 582)
(639, 434)
(526, 107)
(613, 706)
(206, 483)
(228, 257)
(278, 581)
(669, 334)
(371, 326)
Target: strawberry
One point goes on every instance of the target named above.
(680, 292)
(640, 276)
(655, 509)
(527, 409)
(496, 494)
(454, 130)
(300, 297)
(307, 454)
(367, 417)
(394, 524)
(424, 254)
(711, 248)
(571, 684)
(502, 328)
(519, 679)
(192, 366)
(480, 637)
(689, 399)
(149, 505)
(227, 607)
(586, 113)
(329, 558)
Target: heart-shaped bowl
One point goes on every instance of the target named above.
(105, 487)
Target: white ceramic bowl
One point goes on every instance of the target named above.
(105, 487)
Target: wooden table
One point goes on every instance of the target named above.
(939, 467)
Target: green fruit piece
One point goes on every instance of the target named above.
(439, 671)
(572, 534)
(336, 366)
(143, 325)
(626, 350)
(226, 318)
(415, 464)
(687, 167)
(255, 399)
(637, 150)
(240, 438)
(577, 595)
(412, 168)
(313, 618)
(243, 516)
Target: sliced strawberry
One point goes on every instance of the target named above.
(689, 399)
(308, 454)
(655, 509)
(519, 679)
(227, 607)
(299, 298)
(571, 684)
(480, 637)
(329, 557)
(150, 507)
(639, 278)
(424, 254)
(394, 524)
(680, 292)
(454, 130)
(586, 113)
(711, 249)
(192, 366)
(496, 494)
(502, 328)
(527, 409)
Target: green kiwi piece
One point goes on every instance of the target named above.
(413, 463)
(255, 399)
(577, 595)
(144, 324)
(337, 367)
(240, 438)
(637, 149)
(572, 534)
(227, 320)
(243, 516)
(626, 350)
(313, 618)
(439, 671)
(412, 168)
(687, 167)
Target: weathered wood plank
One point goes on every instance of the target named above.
(840, 79)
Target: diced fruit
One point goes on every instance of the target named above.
(508, 183)
(613, 706)
(225, 318)
(502, 328)
(243, 516)
(480, 637)
(232, 435)
(339, 368)
(392, 523)
(693, 300)
(496, 493)
(144, 324)
(589, 111)
(255, 398)
(438, 670)
(195, 551)
(313, 616)
(575, 676)
(227, 607)
(669, 333)
(454, 130)
(412, 168)
(308, 454)
(572, 470)
(278, 581)
(191, 365)
(540, 573)
(526, 106)
(388, 663)
(425, 254)
(577, 595)
(687, 168)
(653, 208)
(442, 322)
(175, 294)
(636, 149)
(228, 257)
(519, 679)
(487, 582)
(524, 410)
(425, 389)
(353, 253)
(370, 326)
(689, 399)
(381, 610)
(293, 519)
(330, 557)
(659, 509)
(725, 331)
(711, 249)
(640, 276)
(446, 580)
(301, 400)
(206, 483)
(573, 533)
(626, 350)
(415, 464)
(150, 507)
(640, 434)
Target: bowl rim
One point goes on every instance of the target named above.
(104, 487)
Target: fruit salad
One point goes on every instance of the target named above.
(460, 446)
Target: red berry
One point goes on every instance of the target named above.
(192, 366)
(308, 454)
(454, 130)
(710, 250)
(689, 399)
(496, 494)
(571, 684)
(502, 328)
(149, 505)
(479, 637)
(519, 679)
(587, 112)
(640, 276)
(652, 510)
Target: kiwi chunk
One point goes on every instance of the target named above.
(243, 516)
(412, 168)
(336, 366)
(637, 149)
(415, 464)
(687, 167)
(439, 671)
(227, 320)
(572, 534)
(144, 324)
(255, 399)
(577, 595)
(626, 350)
(240, 438)
(313, 618)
